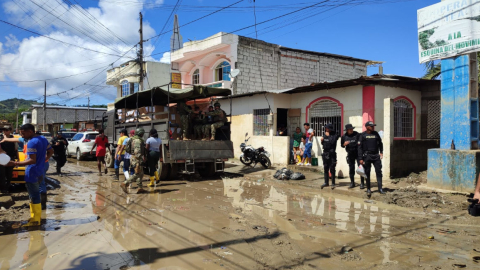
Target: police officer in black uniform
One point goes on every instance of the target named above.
(59, 144)
(349, 141)
(370, 152)
(329, 156)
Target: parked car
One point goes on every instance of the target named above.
(81, 144)
(19, 172)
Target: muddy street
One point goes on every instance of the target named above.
(233, 222)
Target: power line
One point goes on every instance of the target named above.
(64, 42)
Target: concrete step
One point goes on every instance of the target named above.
(296, 168)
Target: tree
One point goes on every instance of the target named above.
(433, 69)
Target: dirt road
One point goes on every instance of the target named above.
(236, 223)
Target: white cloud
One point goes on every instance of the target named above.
(165, 58)
(38, 58)
(12, 41)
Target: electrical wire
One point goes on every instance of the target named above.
(61, 41)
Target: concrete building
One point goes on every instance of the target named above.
(27, 117)
(262, 65)
(60, 117)
(405, 109)
(126, 76)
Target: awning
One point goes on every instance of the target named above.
(159, 96)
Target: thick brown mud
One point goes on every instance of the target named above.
(235, 223)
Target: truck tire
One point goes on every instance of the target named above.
(208, 171)
(173, 171)
(163, 170)
(109, 160)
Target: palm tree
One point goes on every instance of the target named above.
(433, 69)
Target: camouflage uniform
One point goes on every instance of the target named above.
(136, 161)
(219, 118)
(199, 126)
(184, 112)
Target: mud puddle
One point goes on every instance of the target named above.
(232, 223)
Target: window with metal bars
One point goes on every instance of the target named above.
(125, 88)
(402, 119)
(260, 122)
(325, 112)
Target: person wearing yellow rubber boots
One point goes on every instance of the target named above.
(153, 144)
(37, 149)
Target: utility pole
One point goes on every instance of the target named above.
(88, 108)
(45, 107)
(140, 54)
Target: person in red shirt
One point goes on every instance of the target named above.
(101, 142)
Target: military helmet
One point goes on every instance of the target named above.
(217, 104)
(140, 132)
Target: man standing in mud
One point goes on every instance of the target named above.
(136, 147)
(329, 156)
(59, 143)
(370, 152)
(350, 143)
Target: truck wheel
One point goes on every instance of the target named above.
(79, 155)
(163, 170)
(173, 171)
(208, 171)
(109, 160)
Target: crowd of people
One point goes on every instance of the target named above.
(365, 149)
(199, 125)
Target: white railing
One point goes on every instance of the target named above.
(219, 84)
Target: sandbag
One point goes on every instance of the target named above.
(297, 176)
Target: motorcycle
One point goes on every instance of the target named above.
(251, 155)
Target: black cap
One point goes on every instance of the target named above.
(369, 124)
(329, 126)
(349, 126)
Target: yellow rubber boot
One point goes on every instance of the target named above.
(37, 215)
(152, 181)
(31, 211)
(299, 159)
(157, 177)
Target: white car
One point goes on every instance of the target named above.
(81, 144)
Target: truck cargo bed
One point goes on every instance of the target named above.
(200, 149)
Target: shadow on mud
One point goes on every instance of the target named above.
(143, 256)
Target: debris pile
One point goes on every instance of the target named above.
(287, 174)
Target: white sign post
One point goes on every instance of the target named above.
(448, 29)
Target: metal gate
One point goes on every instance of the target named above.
(403, 119)
(433, 119)
(325, 112)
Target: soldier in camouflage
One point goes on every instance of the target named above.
(184, 111)
(198, 123)
(137, 159)
(219, 118)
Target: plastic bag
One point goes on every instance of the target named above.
(286, 171)
(4, 159)
(277, 174)
(361, 171)
(297, 176)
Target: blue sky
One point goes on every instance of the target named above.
(376, 30)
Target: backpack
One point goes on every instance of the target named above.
(128, 147)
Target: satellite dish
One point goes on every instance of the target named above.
(234, 73)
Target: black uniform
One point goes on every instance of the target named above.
(6, 172)
(352, 153)
(369, 147)
(329, 155)
(59, 152)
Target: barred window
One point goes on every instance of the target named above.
(403, 119)
(325, 112)
(196, 77)
(260, 122)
